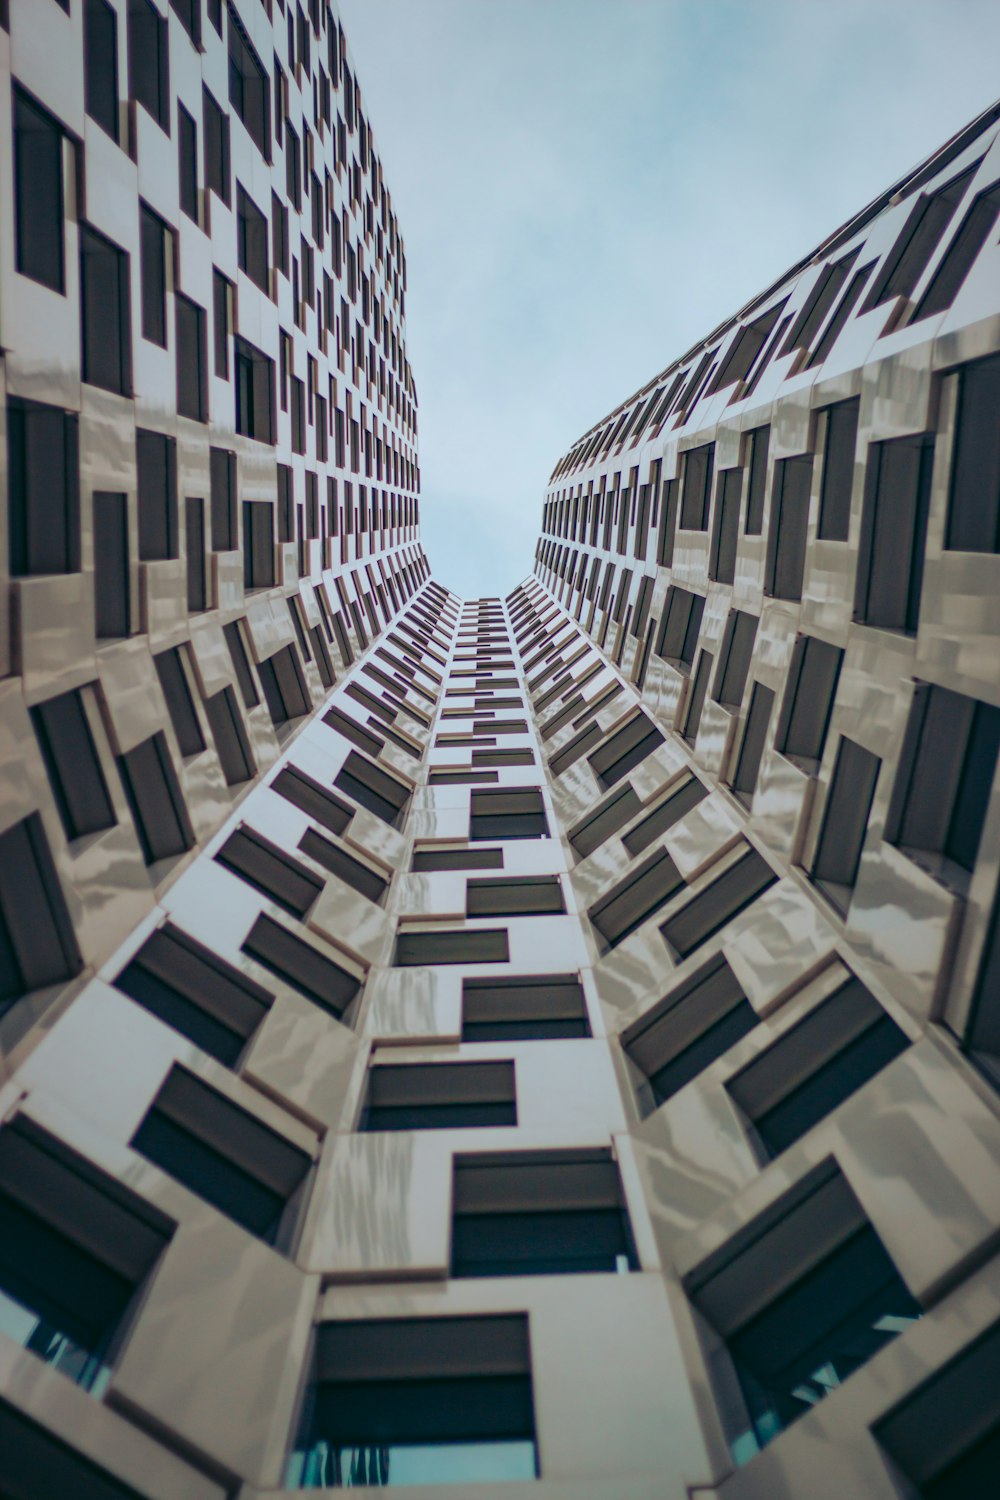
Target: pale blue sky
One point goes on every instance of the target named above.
(587, 187)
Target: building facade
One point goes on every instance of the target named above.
(538, 1045)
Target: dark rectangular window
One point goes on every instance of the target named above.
(100, 64)
(374, 788)
(241, 664)
(456, 1391)
(194, 530)
(222, 294)
(251, 240)
(156, 800)
(217, 161)
(326, 983)
(316, 801)
(511, 896)
(38, 193)
(945, 779)
(845, 821)
(284, 880)
(944, 1437)
(918, 239)
(629, 903)
(688, 1030)
(77, 1247)
(625, 749)
(456, 946)
(222, 464)
(726, 528)
(748, 761)
(279, 234)
(972, 234)
(735, 657)
(523, 1009)
(192, 359)
(817, 305)
(112, 583)
(838, 471)
(606, 819)
(74, 765)
(515, 813)
(249, 93)
(153, 269)
(361, 876)
(440, 1096)
(221, 1153)
(188, 13)
(835, 1300)
(893, 533)
(667, 529)
(788, 531)
(43, 489)
(808, 701)
(105, 313)
(37, 943)
(258, 544)
(429, 859)
(285, 691)
(187, 163)
(760, 442)
(814, 1067)
(148, 60)
(156, 472)
(697, 694)
(843, 311)
(679, 801)
(254, 393)
(230, 736)
(188, 987)
(974, 498)
(345, 725)
(717, 903)
(697, 487)
(539, 1213)
(180, 704)
(678, 639)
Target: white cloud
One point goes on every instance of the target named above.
(586, 187)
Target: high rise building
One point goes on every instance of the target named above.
(551, 1040)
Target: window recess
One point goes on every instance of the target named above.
(825, 1298)
(893, 533)
(507, 814)
(974, 498)
(696, 487)
(726, 526)
(625, 749)
(814, 1067)
(154, 794)
(455, 946)
(688, 1030)
(188, 987)
(523, 1009)
(37, 942)
(439, 1096)
(373, 788)
(454, 1392)
(839, 449)
(539, 1213)
(77, 1248)
(697, 694)
(530, 895)
(808, 701)
(606, 819)
(362, 875)
(284, 686)
(73, 765)
(678, 802)
(429, 859)
(917, 241)
(327, 984)
(43, 489)
(788, 532)
(744, 782)
(277, 875)
(225, 1155)
(678, 638)
(717, 903)
(975, 229)
(845, 822)
(945, 779)
(636, 898)
(735, 657)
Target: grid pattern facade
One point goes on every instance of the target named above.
(548, 1040)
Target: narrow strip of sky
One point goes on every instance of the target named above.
(586, 187)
